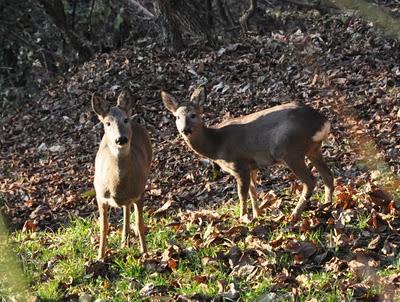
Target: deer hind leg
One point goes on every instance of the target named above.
(243, 184)
(319, 163)
(103, 223)
(299, 168)
(126, 229)
(253, 193)
(140, 229)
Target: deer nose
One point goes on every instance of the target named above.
(121, 140)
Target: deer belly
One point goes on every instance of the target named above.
(115, 197)
(262, 160)
(119, 201)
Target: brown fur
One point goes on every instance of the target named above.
(121, 172)
(242, 145)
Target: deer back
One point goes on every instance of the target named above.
(272, 134)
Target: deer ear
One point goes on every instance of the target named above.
(100, 106)
(125, 101)
(198, 96)
(169, 101)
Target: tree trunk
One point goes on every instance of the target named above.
(55, 9)
(210, 20)
(169, 25)
(189, 16)
(174, 16)
(223, 14)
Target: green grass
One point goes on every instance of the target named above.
(53, 259)
(55, 263)
(59, 265)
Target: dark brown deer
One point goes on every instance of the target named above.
(241, 146)
(122, 167)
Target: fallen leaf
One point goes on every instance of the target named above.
(29, 226)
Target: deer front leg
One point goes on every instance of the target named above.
(243, 184)
(318, 161)
(140, 225)
(299, 168)
(103, 223)
(126, 229)
(253, 194)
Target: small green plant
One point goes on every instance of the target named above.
(362, 221)
(88, 194)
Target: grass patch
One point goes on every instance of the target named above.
(182, 261)
(53, 260)
(88, 194)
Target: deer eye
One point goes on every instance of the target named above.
(108, 124)
(193, 115)
(126, 121)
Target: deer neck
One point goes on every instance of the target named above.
(205, 142)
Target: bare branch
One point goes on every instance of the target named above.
(244, 20)
(142, 8)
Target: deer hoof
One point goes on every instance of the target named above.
(245, 219)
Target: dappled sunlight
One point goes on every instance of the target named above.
(339, 63)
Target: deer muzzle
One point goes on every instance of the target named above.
(122, 140)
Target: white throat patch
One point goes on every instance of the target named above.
(323, 133)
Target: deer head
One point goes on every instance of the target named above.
(116, 121)
(188, 114)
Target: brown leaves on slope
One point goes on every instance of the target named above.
(54, 138)
(48, 146)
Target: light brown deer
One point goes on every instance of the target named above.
(241, 146)
(122, 167)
